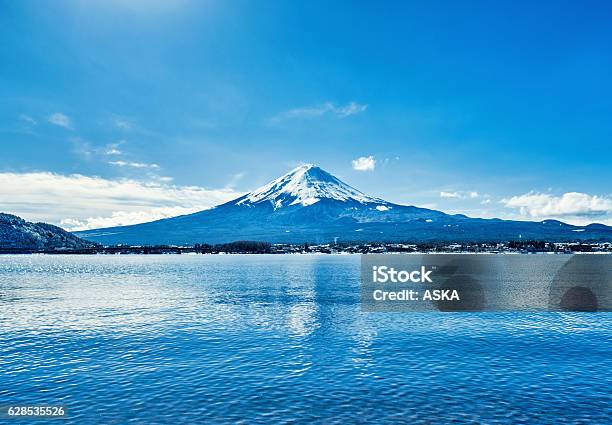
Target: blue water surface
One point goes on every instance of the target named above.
(279, 339)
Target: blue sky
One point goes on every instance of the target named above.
(113, 112)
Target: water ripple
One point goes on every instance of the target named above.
(260, 339)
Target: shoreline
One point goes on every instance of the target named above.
(251, 247)
(80, 253)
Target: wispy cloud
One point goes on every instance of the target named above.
(112, 149)
(235, 179)
(111, 155)
(78, 202)
(133, 164)
(83, 148)
(89, 150)
(349, 109)
(459, 194)
(570, 204)
(122, 123)
(364, 163)
(60, 120)
(28, 119)
(327, 108)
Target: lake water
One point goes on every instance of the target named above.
(260, 339)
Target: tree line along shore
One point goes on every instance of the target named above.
(256, 247)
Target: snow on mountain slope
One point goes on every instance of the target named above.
(309, 205)
(306, 185)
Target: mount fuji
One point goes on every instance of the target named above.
(310, 205)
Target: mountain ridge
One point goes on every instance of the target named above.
(310, 205)
(17, 233)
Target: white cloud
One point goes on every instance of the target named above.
(364, 163)
(460, 194)
(449, 195)
(60, 119)
(113, 148)
(126, 218)
(351, 108)
(571, 204)
(78, 202)
(132, 164)
(113, 151)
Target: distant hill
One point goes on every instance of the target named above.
(16, 233)
(310, 205)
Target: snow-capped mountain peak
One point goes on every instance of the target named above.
(305, 185)
(309, 205)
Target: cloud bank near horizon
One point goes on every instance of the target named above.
(573, 207)
(78, 202)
